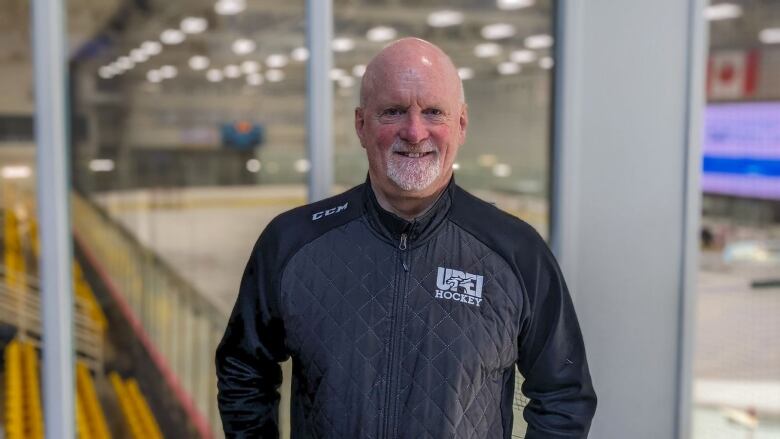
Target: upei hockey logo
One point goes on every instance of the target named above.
(459, 286)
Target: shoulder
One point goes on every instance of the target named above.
(291, 230)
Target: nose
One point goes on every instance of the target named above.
(414, 130)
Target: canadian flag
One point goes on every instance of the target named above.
(732, 74)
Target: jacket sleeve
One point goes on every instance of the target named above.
(551, 355)
(248, 357)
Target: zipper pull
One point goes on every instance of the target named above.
(402, 246)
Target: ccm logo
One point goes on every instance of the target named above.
(330, 211)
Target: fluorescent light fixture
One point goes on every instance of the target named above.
(249, 66)
(254, 79)
(465, 73)
(106, 72)
(276, 61)
(346, 81)
(770, 35)
(445, 18)
(15, 171)
(199, 62)
(456, 166)
(541, 41)
(502, 170)
(359, 70)
(487, 50)
(300, 54)
(229, 7)
(342, 44)
(381, 33)
(509, 5)
(498, 31)
(302, 165)
(546, 63)
(523, 56)
(253, 165)
(214, 75)
(194, 25)
(508, 68)
(243, 46)
(138, 56)
(101, 165)
(151, 48)
(125, 63)
(335, 74)
(232, 71)
(274, 75)
(168, 71)
(154, 76)
(172, 36)
(722, 11)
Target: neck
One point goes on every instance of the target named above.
(407, 208)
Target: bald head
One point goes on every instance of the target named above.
(407, 56)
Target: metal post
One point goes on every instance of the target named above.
(48, 36)
(319, 107)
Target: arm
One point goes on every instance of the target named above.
(552, 356)
(248, 357)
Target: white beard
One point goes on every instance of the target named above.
(413, 174)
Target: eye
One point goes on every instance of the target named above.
(434, 112)
(391, 112)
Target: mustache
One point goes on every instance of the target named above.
(425, 146)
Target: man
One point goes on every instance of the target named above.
(406, 303)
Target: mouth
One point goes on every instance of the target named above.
(413, 155)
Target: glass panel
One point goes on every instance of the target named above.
(188, 130)
(737, 352)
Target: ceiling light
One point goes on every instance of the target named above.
(381, 33)
(342, 44)
(101, 165)
(274, 75)
(254, 79)
(502, 170)
(214, 75)
(359, 70)
(523, 56)
(770, 35)
(508, 68)
(243, 46)
(15, 171)
(541, 41)
(498, 31)
(138, 55)
(302, 165)
(445, 18)
(248, 67)
(456, 166)
(125, 63)
(199, 62)
(546, 63)
(465, 73)
(168, 71)
(154, 76)
(172, 36)
(722, 11)
(335, 74)
(232, 71)
(194, 25)
(346, 81)
(508, 5)
(487, 50)
(253, 165)
(276, 61)
(106, 72)
(229, 7)
(300, 54)
(151, 47)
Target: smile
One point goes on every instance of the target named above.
(413, 155)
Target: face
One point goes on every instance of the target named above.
(411, 124)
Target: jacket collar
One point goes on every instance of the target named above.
(392, 226)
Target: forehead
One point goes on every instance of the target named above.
(419, 79)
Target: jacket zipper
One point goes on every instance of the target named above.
(395, 337)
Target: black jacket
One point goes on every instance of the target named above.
(403, 329)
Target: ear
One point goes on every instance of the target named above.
(463, 123)
(360, 123)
